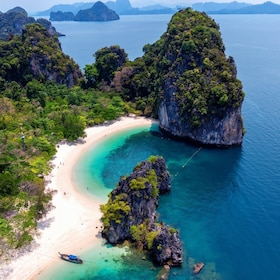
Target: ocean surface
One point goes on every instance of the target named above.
(131, 33)
(225, 203)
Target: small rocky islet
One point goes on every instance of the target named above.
(130, 213)
(130, 218)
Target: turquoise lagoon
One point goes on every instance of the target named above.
(225, 203)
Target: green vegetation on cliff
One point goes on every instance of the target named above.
(189, 59)
(130, 213)
(36, 54)
(107, 61)
(143, 235)
(115, 209)
(140, 183)
(207, 83)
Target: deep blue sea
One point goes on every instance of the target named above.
(225, 203)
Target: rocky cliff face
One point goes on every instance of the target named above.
(39, 66)
(140, 198)
(191, 85)
(130, 213)
(222, 131)
(167, 247)
(37, 55)
(46, 59)
(201, 96)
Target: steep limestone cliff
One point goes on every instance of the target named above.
(201, 96)
(219, 132)
(130, 213)
(186, 80)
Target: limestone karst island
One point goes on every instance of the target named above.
(130, 213)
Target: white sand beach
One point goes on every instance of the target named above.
(73, 215)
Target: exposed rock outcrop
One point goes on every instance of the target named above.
(191, 85)
(37, 55)
(219, 132)
(98, 12)
(13, 21)
(43, 64)
(202, 97)
(130, 213)
(167, 247)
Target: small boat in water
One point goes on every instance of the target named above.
(70, 258)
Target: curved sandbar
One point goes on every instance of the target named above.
(73, 225)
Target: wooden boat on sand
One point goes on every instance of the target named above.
(70, 258)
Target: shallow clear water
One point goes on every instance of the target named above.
(225, 203)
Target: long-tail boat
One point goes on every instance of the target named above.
(70, 258)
